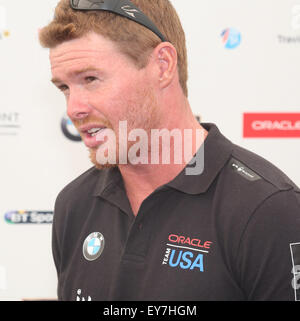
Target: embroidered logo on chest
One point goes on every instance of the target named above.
(93, 246)
(185, 252)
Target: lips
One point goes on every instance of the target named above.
(93, 132)
(89, 134)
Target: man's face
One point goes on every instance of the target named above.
(102, 87)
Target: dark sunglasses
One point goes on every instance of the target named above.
(124, 8)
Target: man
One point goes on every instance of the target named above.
(131, 228)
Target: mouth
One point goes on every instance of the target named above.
(91, 130)
(94, 131)
(89, 134)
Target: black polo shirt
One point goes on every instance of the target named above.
(231, 233)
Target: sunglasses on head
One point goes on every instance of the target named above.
(124, 8)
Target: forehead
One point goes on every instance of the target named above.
(91, 48)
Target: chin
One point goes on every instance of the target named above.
(97, 165)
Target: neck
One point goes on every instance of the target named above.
(142, 179)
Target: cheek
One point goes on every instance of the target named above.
(107, 103)
(121, 100)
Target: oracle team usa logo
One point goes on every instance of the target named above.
(186, 253)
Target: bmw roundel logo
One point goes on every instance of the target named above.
(93, 246)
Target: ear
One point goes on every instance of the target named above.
(165, 56)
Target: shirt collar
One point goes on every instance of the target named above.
(110, 187)
(217, 151)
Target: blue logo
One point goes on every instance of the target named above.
(184, 260)
(69, 129)
(93, 246)
(231, 38)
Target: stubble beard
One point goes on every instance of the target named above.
(141, 113)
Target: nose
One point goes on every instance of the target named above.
(77, 105)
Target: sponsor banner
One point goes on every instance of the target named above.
(271, 125)
(9, 123)
(231, 38)
(69, 130)
(29, 217)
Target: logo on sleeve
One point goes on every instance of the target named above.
(295, 253)
(244, 171)
(93, 246)
(186, 253)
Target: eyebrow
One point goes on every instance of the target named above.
(75, 73)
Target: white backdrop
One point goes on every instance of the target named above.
(260, 75)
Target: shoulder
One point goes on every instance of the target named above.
(276, 197)
(271, 182)
(76, 198)
(265, 170)
(248, 180)
(80, 193)
(83, 184)
(251, 189)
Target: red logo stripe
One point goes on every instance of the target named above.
(274, 125)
